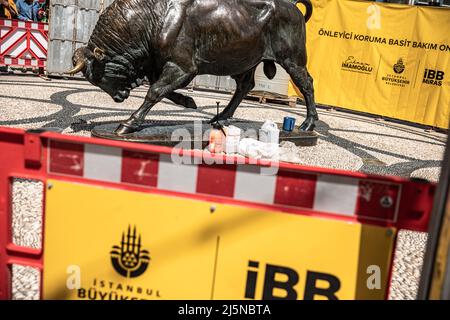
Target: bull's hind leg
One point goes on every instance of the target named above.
(304, 82)
(244, 83)
(171, 79)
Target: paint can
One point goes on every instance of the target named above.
(288, 124)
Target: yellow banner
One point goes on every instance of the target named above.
(384, 59)
(112, 244)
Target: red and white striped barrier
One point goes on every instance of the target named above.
(23, 44)
(291, 188)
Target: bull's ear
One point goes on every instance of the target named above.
(99, 54)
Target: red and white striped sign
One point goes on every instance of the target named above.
(318, 192)
(23, 43)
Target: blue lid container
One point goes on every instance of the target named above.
(288, 124)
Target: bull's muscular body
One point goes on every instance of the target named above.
(172, 41)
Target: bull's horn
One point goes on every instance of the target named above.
(79, 67)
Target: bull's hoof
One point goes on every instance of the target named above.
(125, 128)
(190, 103)
(308, 125)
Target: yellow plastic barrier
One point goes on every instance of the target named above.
(178, 249)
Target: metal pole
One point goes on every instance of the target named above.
(432, 270)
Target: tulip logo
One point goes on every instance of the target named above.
(399, 67)
(128, 259)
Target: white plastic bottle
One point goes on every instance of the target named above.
(232, 139)
(269, 133)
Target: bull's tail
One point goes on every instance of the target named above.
(309, 8)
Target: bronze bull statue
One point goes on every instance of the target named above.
(169, 42)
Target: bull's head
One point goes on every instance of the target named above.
(98, 70)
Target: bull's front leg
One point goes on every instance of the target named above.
(182, 100)
(176, 97)
(171, 79)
